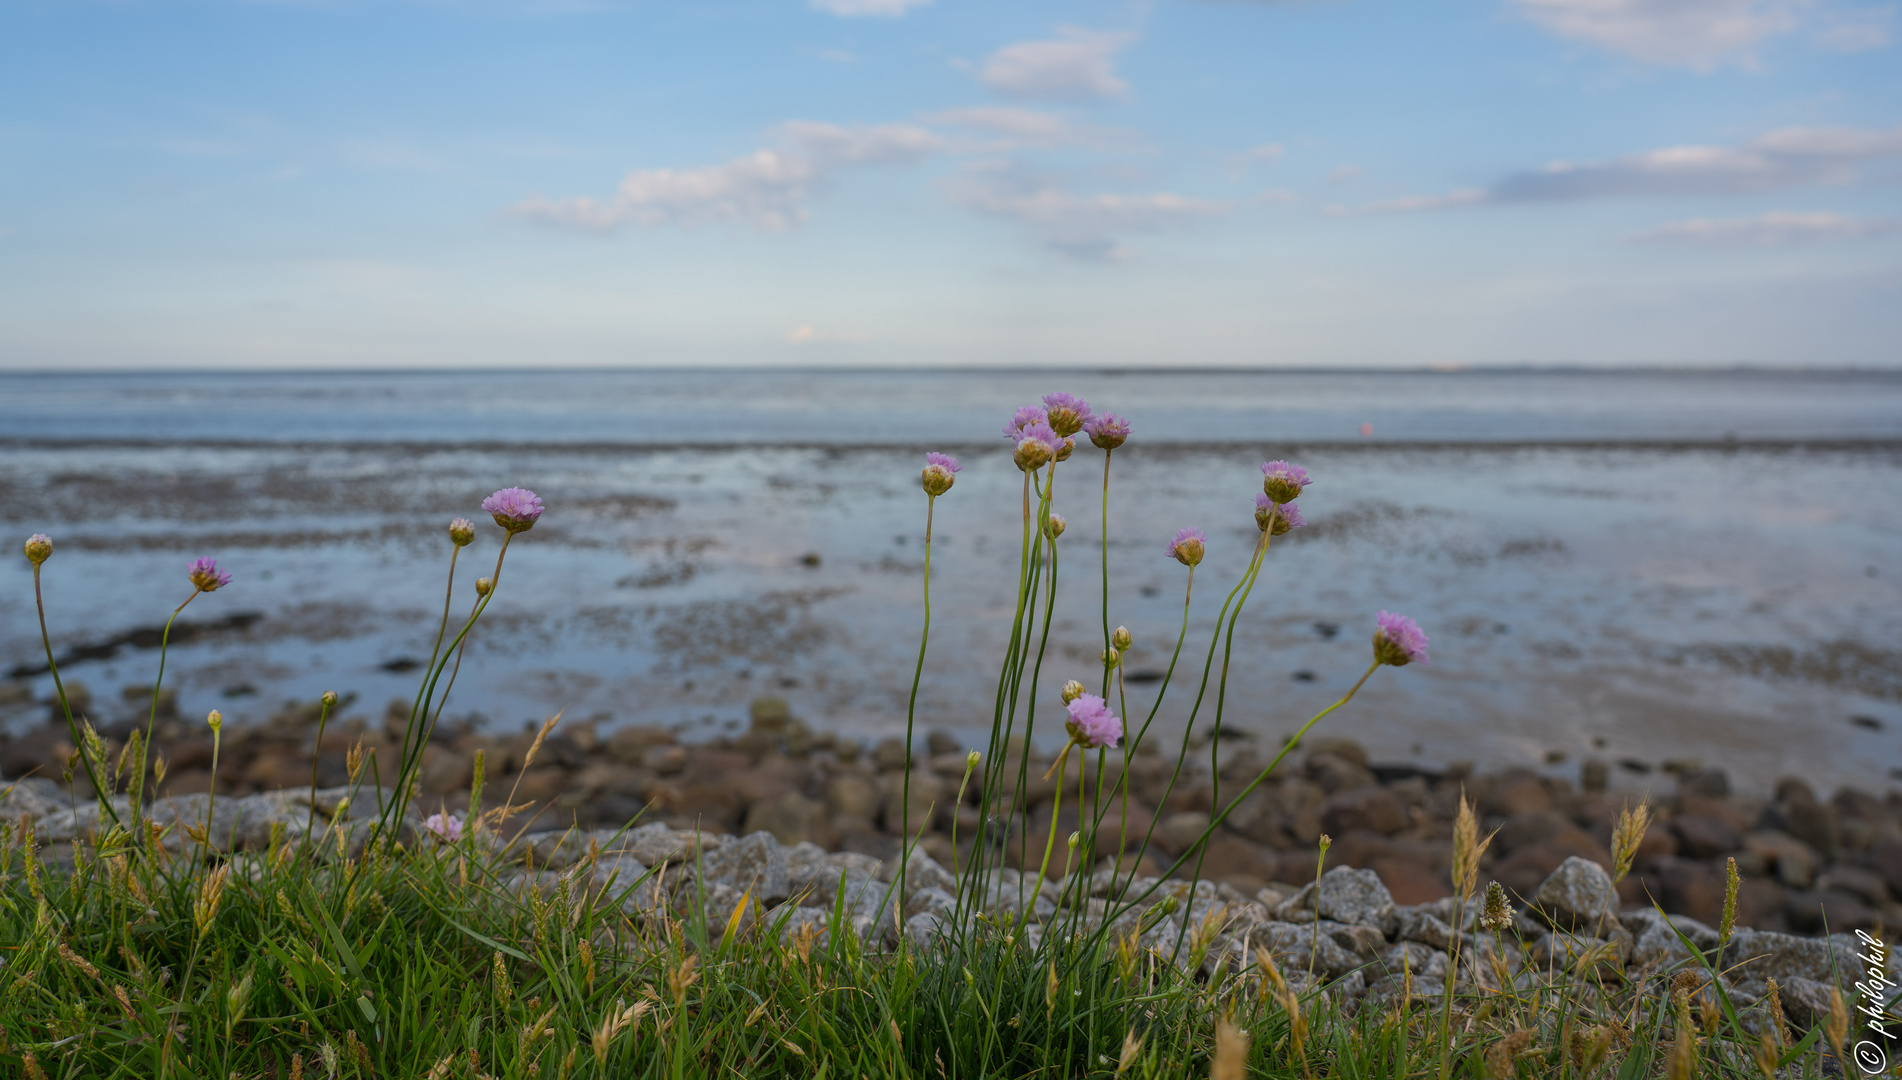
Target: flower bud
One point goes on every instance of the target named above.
(1282, 481)
(1055, 526)
(1112, 657)
(462, 532)
(483, 585)
(1188, 547)
(1068, 448)
(1071, 691)
(343, 807)
(39, 548)
(1122, 638)
(1031, 455)
(1075, 839)
(971, 759)
(940, 473)
(330, 699)
(216, 720)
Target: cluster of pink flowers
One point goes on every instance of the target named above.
(444, 827)
(1398, 640)
(1091, 724)
(1047, 433)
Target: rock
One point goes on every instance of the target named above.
(34, 797)
(1346, 896)
(1011, 893)
(1424, 962)
(1294, 946)
(1790, 860)
(1884, 856)
(851, 795)
(1805, 1001)
(1418, 924)
(627, 745)
(921, 872)
(754, 863)
(1755, 955)
(1702, 837)
(1656, 941)
(1706, 783)
(890, 754)
(656, 843)
(1864, 885)
(1374, 809)
(770, 715)
(940, 742)
(1366, 942)
(1525, 870)
(1579, 894)
(665, 759)
(797, 921)
(1177, 833)
(790, 817)
(1814, 912)
(1335, 774)
(929, 901)
(1408, 881)
(928, 795)
(1594, 775)
(1517, 792)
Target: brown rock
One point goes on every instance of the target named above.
(928, 796)
(1518, 792)
(540, 784)
(1409, 882)
(889, 755)
(1783, 856)
(665, 759)
(852, 795)
(1702, 836)
(791, 818)
(1246, 865)
(1178, 832)
(1336, 774)
(627, 745)
(1257, 818)
(1346, 749)
(1374, 809)
(1885, 858)
(1524, 870)
(1813, 912)
(445, 771)
(716, 807)
(1522, 830)
(1692, 888)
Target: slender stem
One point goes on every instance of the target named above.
(151, 719)
(72, 726)
(211, 794)
(911, 709)
(449, 593)
(1056, 805)
(310, 811)
(1130, 746)
(1106, 626)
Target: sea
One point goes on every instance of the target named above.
(1659, 569)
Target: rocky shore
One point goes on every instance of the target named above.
(1808, 861)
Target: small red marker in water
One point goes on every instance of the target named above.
(1366, 431)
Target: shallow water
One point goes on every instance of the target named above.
(1637, 566)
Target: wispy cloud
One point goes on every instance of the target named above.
(1778, 228)
(767, 189)
(1077, 225)
(1859, 30)
(1684, 33)
(851, 9)
(1078, 63)
(807, 334)
(1776, 161)
(1014, 128)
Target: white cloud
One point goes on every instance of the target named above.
(851, 9)
(767, 189)
(1080, 226)
(1858, 31)
(1686, 33)
(1016, 128)
(1776, 161)
(807, 334)
(1778, 228)
(1079, 63)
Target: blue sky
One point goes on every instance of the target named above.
(1204, 182)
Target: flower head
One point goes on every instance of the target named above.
(1497, 914)
(215, 720)
(1023, 418)
(206, 575)
(1398, 640)
(1107, 431)
(1281, 518)
(1122, 638)
(1055, 526)
(1067, 413)
(330, 699)
(445, 827)
(39, 548)
(1071, 691)
(515, 509)
(1036, 445)
(941, 471)
(483, 585)
(1283, 482)
(1064, 451)
(1189, 546)
(1091, 723)
(462, 532)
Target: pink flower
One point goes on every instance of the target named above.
(1398, 640)
(1188, 547)
(1092, 724)
(445, 827)
(1282, 481)
(515, 509)
(206, 575)
(940, 473)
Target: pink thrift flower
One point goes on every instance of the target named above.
(1281, 518)
(515, 509)
(1025, 417)
(1188, 547)
(1282, 481)
(1398, 640)
(1092, 724)
(1036, 445)
(1108, 431)
(940, 473)
(445, 827)
(1066, 413)
(206, 575)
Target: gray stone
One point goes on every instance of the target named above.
(1567, 951)
(1755, 955)
(1425, 962)
(68, 824)
(1578, 895)
(1656, 942)
(1366, 942)
(929, 900)
(1295, 946)
(181, 815)
(921, 872)
(656, 843)
(790, 817)
(1344, 895)
(1418, 924)
(754, 863)
(1011, 893)
(34, 797)
(794, 921)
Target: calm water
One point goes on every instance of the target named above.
(1637, 565)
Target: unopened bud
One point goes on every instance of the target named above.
(1075, 839)
(1069, 447)
(940, 473)
(971, 759)
(483, 585)
(462, 532)
(1071, 691)
(330, 699)
(343, 807)
(1121, 638)
(1031, 455)
(39, 547)
(1055, 526)
(216, 720)
(1112, 657)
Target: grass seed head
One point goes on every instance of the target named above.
(1633, 822)
(1231, 1053)
(1497, 914)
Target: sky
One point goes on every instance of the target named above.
(1313, 183)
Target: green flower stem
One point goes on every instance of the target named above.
(911, 708)
(72, 726)
(1106, 626)
(310, 811)
(151, 719)
(1056, 806)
